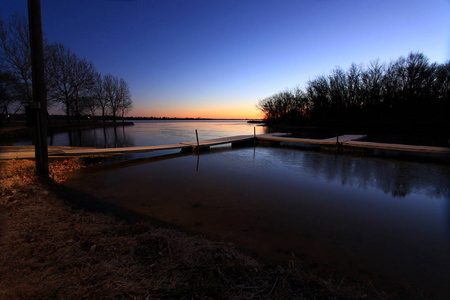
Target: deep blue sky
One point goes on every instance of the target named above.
(217, 58)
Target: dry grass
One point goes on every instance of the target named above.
(49, 249)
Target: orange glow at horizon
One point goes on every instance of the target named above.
(217, 112)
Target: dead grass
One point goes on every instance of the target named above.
(50, 250)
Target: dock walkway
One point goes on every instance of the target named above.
(348, 141)
(21, 152)
(353, 141)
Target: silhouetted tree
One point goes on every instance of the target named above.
(15, 55)
(319, 93)
(111, 87)
(125, 98)
(406, 90)
(71, 80)
(9, 101)
(372, 87)
(100, 95)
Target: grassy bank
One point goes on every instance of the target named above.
(50, 248)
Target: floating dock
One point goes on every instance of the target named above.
(339, 142)
(22, 152)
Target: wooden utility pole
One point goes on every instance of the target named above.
(39, 104)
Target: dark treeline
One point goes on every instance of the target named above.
(72, 83)
(409, 92)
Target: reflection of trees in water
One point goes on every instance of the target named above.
(105, 137)
(398, 178)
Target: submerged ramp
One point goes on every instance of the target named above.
(397, 147)
(280, 137)
(220, 141)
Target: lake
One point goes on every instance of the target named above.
(364, 218)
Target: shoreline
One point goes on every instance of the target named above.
(54, 247)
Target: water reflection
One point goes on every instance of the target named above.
(395, 177)
(398, 178)
(362, 218)
(105, 137)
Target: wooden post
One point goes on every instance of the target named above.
(39, 104)
(196, 135)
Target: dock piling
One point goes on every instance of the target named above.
(196, 135)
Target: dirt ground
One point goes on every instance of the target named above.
(50, 248)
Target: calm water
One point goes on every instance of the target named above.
(357, 217)
(149, 133)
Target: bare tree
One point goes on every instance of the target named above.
(111, 86)
(10, 104)
(406, 91)
(71, 80)
(319, 93)
(372, 83)
(117, 94)
(126, 103)
(15, 54)
(100, 95)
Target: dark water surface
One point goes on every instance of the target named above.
(357, 217)
(369, 218)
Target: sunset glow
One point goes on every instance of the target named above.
(217, 59)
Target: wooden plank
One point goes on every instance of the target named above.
(398, 147)
(17, 155)
(83, 151)
(27, 148)
(27, 151)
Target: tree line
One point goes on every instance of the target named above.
(407, 91)
(72, 83)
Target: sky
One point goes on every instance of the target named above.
(218, 58)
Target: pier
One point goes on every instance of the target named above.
(338, 142)
(23, 152)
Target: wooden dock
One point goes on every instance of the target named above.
(25, 152)
(347, 141)
(22, 152)
(353, 141)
